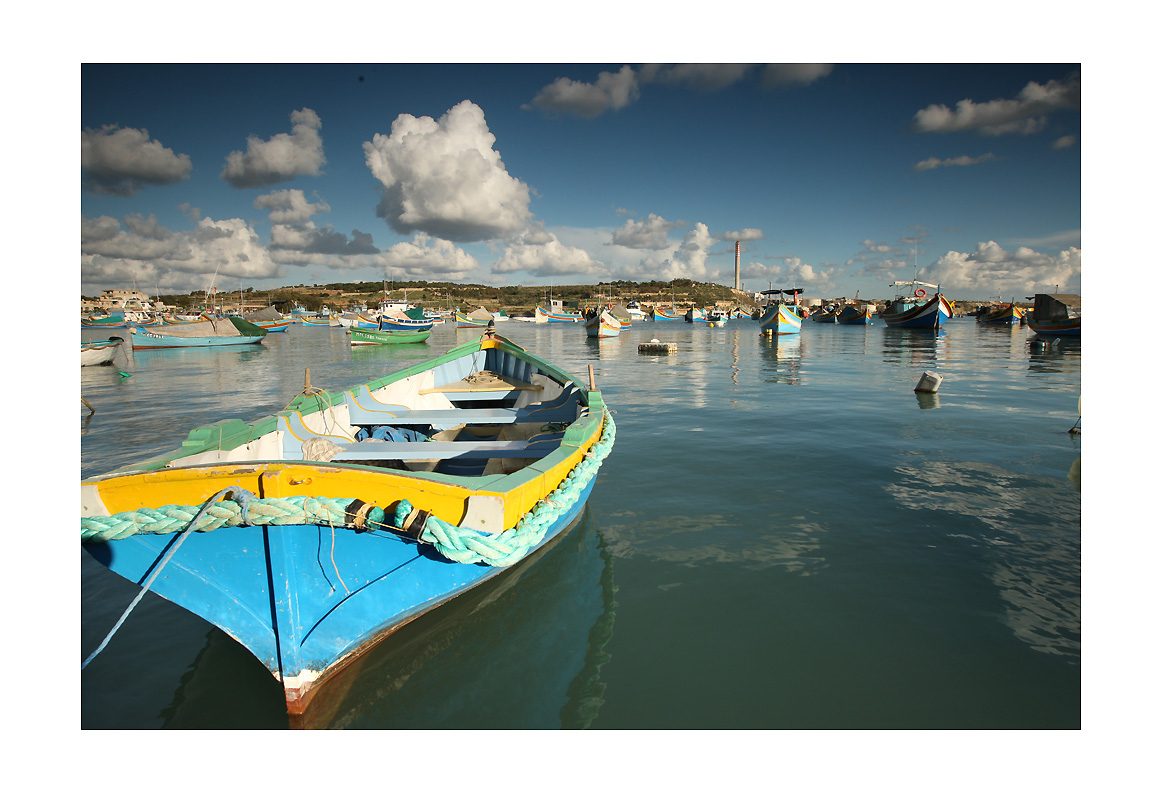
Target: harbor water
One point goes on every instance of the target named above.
(785, 536)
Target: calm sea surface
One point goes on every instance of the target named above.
(784, 536)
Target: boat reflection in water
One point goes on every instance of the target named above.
(782, 358)
(522, 651)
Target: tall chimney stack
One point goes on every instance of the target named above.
(738, 264)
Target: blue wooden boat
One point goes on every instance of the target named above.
(225, 332)
(781, 317)
(662, 315)
(912, 308)
(350, 513)
(543, 315)
(413, 319)
(695, 315)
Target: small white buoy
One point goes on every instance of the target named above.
(929, 382)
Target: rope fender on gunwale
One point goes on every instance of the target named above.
(455, 543)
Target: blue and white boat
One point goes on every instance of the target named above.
(310, 535)
(781, 317)
(913, 308)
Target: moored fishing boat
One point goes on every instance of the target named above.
(375, 336)
(269, 318)
(97, 352)
(826, 314)
(717, 316)
(320, 320)
(1005, 314)
(319, 552)
(694, 315)
(601, 324)
(208, 333)
(780, 318)
(477, 318)
(855, 315)
(912, 308)
(1055, 314)
(411, 320)
(558, 316)
(665, 315)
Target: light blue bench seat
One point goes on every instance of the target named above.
(444, 450)
(562, 408)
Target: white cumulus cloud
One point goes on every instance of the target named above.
(611, 91)
(540, 253)
(289, 206)
(994, 270)
(281, 158)
(121, 160)
(445, 179)
(649, 233)
(1025, 114)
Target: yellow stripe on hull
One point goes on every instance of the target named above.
(268, 480)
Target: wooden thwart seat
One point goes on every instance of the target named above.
(441, 450)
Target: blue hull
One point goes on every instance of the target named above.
(158, 342)
(303, 599)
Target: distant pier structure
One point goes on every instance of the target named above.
(738, 264)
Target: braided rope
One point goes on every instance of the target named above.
(456, 543)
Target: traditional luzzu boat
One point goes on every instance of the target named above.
(781, 317)
(560, 316)
(912, 308)
(602, 324)
(411, 320)
(662, 315)
(349, 514)
(228, 331)
(477, 318)
(826, 314)
(853, 315)
(375, 336)
(694, 315)
(320, 320)
(1055, 315)
(97, 352)
(269, 318)
(1006, 314)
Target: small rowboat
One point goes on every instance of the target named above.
(374, 336)
(97, 352)
(351, 513)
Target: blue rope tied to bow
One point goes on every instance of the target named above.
(239, 495)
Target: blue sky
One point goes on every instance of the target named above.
(837, 178)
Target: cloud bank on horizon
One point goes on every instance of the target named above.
(457, 213)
